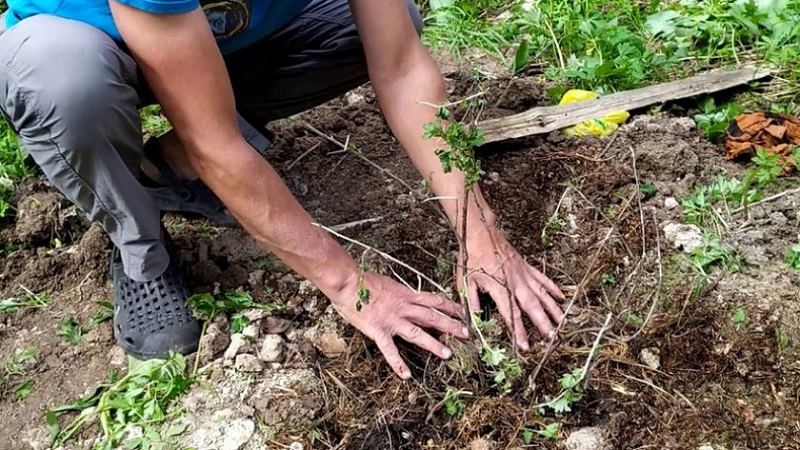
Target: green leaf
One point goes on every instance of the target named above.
(238, 322)
(527, 436)
(663, 23)
(521, 57)
(176, 430)
(24, 390)
(648, 190)
(739, 317)
(52, 424)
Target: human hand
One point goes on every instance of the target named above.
(396, 310)
(497, 269)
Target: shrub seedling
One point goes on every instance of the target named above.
(793, 256)
(70, 330)
(30, 300)
(139, 399)
(14, 368)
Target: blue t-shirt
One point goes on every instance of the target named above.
(235, 23)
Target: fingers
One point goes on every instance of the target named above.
(533, 308)
(415, 335)
(545, 295)
(511, 314)
(389, 350)
(439, 303)
(547, 283)
(431, 318)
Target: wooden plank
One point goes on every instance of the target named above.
(550, 118)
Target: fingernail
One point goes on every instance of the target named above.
(464, 332)
(447, 353)
(551, 334)
(524, 345)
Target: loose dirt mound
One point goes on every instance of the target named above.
(671, 371)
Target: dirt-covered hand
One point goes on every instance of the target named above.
(395, 310)
(496, 268)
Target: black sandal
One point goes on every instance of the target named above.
(182, 196)
(151, 318)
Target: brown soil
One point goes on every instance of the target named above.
(716, 384)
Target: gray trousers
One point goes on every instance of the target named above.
(73, 96)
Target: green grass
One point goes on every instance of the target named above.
(13, 167)
(614, 45)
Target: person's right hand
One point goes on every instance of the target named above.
(396, 310)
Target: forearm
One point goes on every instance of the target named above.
(257, 196)
(406, 100)
(180, 59)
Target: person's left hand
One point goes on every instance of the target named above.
(496, 268)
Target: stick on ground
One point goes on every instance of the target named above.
(551, 118)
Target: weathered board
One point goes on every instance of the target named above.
(550, 118)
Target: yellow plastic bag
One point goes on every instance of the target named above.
(598, 127)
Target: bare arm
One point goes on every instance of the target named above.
(182, 63)
(404, 77)
(180, 59)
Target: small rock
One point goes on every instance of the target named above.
(711, 447)
(650, 357)
(766, 422)
(256, 278)
(354, 98)
(684, 237)
(296, 446)
(481, 444)
(287, 399)
(310, 305)
(251, 331)
(213, 343)
(331, 345)
(275, 325)
(248, 363)
(494, 176)
(254, 314)
(116, 357)
(306, 287)
(671, 203)
(589, 438)
(221, 430)
(238, 344)
(271, 348)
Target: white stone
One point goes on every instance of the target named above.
(221, 430)
(650, 357)
(590, 438)
(295, 446)
(238, 344)
(671, 203)
(251, 331)
(306, 287)
(271, 348)
(248, 363)
(684, 237)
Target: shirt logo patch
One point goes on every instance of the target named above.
(228, 17)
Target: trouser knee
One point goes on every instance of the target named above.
(71, 94)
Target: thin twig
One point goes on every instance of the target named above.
(658, 287)
(383, 255)
(455, 103)
(305, 153)
(356, 223)
(768, 199)
(578, 290)
(587, 364)
(608, 145)
(330, 139)
(639, 200)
